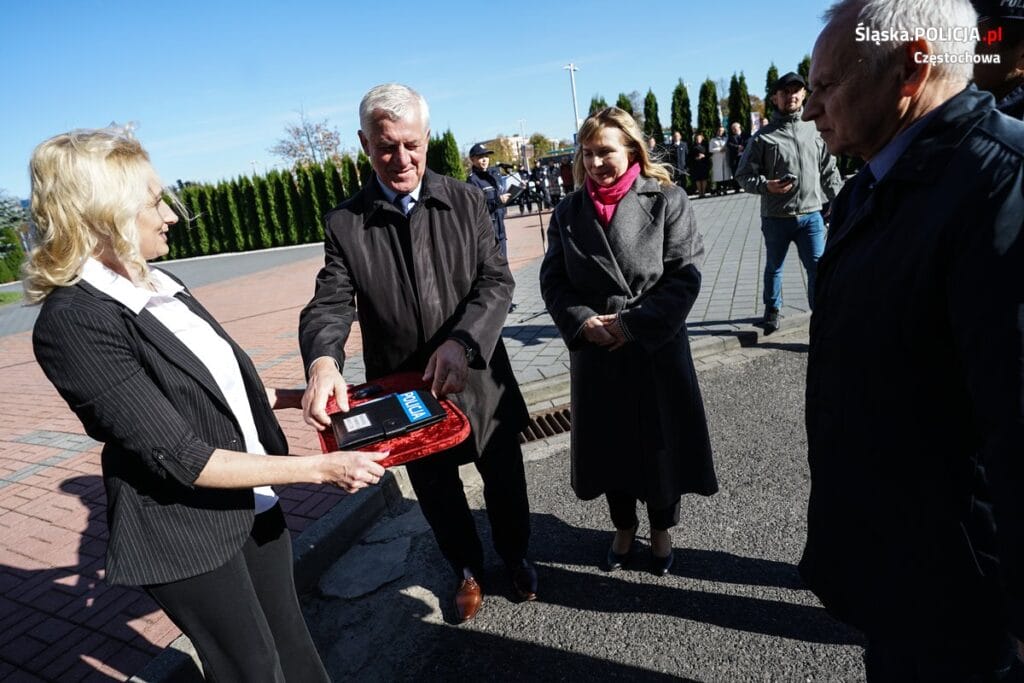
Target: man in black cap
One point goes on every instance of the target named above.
(788, 164)
(488, 181)
(1001, 24)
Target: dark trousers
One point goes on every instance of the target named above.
(244, 617)
(622, 507)
(958, 654)
(437, 485)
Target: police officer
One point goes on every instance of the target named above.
(1001, 24)
(488, 180)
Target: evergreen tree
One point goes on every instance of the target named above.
(12, 255)
(296, 219)
(192, 198)
(739, 102)
(335, 188)
(769, 90)
(434, 153)
(265, 207)
(210, 212)
(597, 103)
(624, 103)
(451, 160)
(682, 117)
(243, 238)
(318, 179)
(365, 168)
(310, 208)
(652, 123)
(708, 119)
(350, 175)
(804, 68)
(746, 107)
(229, 236)
(279, 206)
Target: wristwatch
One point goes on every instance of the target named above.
(470, 351)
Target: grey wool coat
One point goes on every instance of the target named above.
(638, 423)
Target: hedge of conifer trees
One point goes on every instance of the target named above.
(280, 208)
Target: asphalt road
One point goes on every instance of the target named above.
(733, 608)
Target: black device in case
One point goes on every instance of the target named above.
(385, 417)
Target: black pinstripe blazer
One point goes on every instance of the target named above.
(159, 413)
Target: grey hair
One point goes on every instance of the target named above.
(395, 101)
(897, 16)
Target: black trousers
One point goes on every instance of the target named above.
(244, 617)
(957, 653)
(443, 500)
(622, 507)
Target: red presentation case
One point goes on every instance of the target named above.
(451, 431)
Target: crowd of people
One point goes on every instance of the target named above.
(915, 387)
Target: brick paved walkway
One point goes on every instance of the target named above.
(59, 621)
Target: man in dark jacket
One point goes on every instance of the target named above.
(735, 144)
(1001, 27)
(677, 152)
(915, 386)
(417, 251)
(488, 181)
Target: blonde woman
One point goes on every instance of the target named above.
(619, 278)
(186, 424)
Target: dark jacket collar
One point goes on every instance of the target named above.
(433, 192)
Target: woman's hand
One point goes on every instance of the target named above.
(352, 470)
(604, 331)
(613, 324)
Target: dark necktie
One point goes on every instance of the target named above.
(403, 202)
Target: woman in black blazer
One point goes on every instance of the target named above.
(186, 423)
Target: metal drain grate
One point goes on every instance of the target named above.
(546, 423)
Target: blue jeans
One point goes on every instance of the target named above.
(808, 231)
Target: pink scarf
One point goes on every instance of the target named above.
(606, 199)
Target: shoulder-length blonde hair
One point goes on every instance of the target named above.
(88, 186)
(613, 117)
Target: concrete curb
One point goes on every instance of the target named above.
(326, 539)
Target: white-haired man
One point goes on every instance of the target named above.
(418, 252)
(915, 407)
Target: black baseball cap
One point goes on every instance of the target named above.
(479, 150)
(786, 80)
(999, 9)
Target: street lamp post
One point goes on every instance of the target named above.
(575, 109)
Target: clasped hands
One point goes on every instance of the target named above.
(604, 331)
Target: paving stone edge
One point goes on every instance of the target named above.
(326, 539)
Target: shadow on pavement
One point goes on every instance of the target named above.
(64, 609)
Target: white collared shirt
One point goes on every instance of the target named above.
(197, 335)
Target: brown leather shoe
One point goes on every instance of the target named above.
(468, 599)
(524, 580)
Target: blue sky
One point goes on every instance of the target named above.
(212, 84)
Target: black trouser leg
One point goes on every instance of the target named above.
(665, 518)
(508, 507)
(443, 502)
(622, 507)
(243, 617)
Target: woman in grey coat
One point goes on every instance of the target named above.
(619, 278)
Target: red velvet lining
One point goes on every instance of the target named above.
(451, 431)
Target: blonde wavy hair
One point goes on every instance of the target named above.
(88, 186)
(613, 117)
